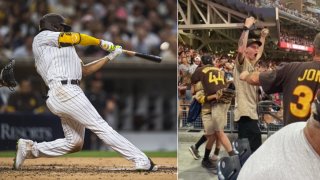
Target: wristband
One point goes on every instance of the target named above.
(245, 28)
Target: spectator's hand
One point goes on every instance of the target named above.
(264, 32)
(107, 46)
(117, 51)
(249, 22)
(244, 75)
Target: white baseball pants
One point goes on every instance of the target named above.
(77, 113)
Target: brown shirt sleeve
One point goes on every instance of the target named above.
(273, 81)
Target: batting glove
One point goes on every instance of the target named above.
(106, 45)
(117, 51)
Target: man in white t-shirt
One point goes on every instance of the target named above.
(291, 153)
(196, 63)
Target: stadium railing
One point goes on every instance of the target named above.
(231, 126)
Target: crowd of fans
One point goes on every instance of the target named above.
(141, 25)
(309, 16)
(189, 59)
(127, 110)
(284, 36)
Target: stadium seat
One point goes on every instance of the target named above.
(242, 147)
(229, 168)
(264, 107)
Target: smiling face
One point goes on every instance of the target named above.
(252, 51)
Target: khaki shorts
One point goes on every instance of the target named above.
(214, 118)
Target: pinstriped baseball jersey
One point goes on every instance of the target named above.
(54, 63)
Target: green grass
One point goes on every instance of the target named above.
(100, 154)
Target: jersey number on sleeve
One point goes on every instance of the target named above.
(214, 79)
(302, 108)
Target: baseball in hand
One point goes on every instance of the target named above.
(264, 32)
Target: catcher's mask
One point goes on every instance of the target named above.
(206, 59)
(53, 22)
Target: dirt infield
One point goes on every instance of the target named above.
(86, 168)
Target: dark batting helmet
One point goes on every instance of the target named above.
(206, 59)
(53, 22)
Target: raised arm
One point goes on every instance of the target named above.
(242, 44)
(264, 33)
(72, 38)
(94, 66)
(66, 39)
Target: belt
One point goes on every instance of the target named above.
(72, 81)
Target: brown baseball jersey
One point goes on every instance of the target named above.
(211, 78)
(299, 82)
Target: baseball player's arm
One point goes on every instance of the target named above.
(202, 98)
(251, 78)
(242, 44)
(94, 66)
(208, 98)
(211, 97)
(72, 38)
(264, 34)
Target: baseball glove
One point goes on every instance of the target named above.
(225, 95)
(7, 75)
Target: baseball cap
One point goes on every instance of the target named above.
(252, 41)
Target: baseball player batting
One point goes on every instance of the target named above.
(61, 69)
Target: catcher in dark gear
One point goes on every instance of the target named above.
(7, 75)
(54, 22)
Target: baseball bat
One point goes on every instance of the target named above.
(143, 56)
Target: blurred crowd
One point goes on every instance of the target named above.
(306, 15)
(141, 25)
(188, 60)
(123, 108)
(287, 37)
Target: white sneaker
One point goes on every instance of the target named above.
(149, 167)
(23, 151)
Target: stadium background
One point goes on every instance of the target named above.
(214, 28)
(136, 97)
